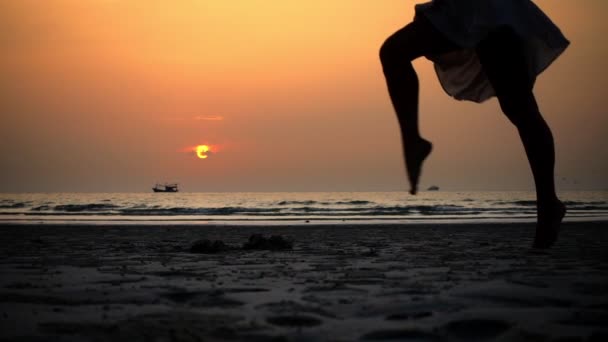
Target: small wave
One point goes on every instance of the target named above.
(317, 209)
(112, 210)
(520, 203)
(17, 205)
(297, 203)
(198, 211)
(592, 203)
(588, 207)
(354, 203)
(578, 204)
(85, 207)
(388, 210)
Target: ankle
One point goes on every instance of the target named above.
(416, 141)
(549, 202)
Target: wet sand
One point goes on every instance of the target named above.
(467, 282)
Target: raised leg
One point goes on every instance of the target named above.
(501, 55)
(417, 39)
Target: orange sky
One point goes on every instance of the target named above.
(106, 95)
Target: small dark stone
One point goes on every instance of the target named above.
(208, 247)
(419, 315)
(294, 321)
(274, 243)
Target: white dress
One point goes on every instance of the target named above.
(468, 22)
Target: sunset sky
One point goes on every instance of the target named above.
(115, 95)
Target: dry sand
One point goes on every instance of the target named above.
(470, 282)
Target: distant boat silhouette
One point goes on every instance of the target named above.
(165, 188)
(433, 188)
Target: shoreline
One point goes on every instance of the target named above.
(291, 208)
(319, 224)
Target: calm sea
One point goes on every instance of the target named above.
(288, 208)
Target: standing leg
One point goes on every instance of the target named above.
(417, 39)
(501, 55)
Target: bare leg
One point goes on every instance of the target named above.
(417, 39)
(504, 63)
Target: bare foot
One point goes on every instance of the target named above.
(415, 154)
(547, 228)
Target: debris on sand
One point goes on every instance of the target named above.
(209, 247)
(256, 242)
(274, 243)
(370, 253)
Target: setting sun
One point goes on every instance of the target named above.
(201, 151)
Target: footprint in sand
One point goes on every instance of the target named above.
(476, 329)
(408, 316)
(400, 335)
(206, 299)
(296, 321)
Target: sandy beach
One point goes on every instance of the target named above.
(434, 282)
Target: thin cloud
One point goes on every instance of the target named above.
(173, 119)
(208, 118)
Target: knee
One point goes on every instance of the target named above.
(387, 52)
(394, 52)
(520, 109)
(512, 113)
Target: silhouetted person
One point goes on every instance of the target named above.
(481, 49)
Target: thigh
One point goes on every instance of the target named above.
(502, 56)
(418, 38)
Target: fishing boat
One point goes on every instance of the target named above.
(165, 187)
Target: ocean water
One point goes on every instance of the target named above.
(289, 208)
